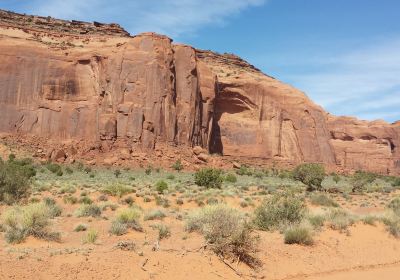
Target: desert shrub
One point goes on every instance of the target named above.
(177, 165)
(91, 237)
(163, 231)
(80, 227)
(154, 215)
(370, 220)
(148, 170)
(230, 178)
(244, 170)
(171, 177)
(299, 234)
(396, 182)
(102, 198)
(117, 173)
(394, 205)
(340, 219)
(67, 189)
(279, 211)
(108, 205)
(88, 210)
(323, 200)
(129, 217)
(317, 221)
(226, 232)
(53, 208)
(53, 167)
(70, 199)
(129, 200)
(360, 179)
(116, 190)
(310, 174)
(85, 200)
(209, 178)
(161, 186)
(15, 180)
(335, 177)
(30, 220)
(392, 223)
(212, 200)
(179, 201)
(118, 228)
(69, 170)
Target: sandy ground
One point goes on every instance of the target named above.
(366, 252)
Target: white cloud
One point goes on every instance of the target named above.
(170, 17)
(363, 83)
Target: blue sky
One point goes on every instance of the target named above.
(344, 54)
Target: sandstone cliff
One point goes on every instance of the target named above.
(77, 82)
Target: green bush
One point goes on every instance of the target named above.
(310, 174)
(126, 218)
(244, 170)
(177, 165)
(161, 186)
(226, 232)
(163, 231)
(299, 234)
(230, 178)
(323, 200)
(317, 221)
(118, 228)
(209, 178)
(80, 227)
(15, 179)
(396, 182)
(360, 179)
(69, 170)
(117, 173)
(280, 211)
(54, 168)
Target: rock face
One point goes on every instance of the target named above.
(92, 82)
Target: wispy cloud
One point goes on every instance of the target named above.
(170, 17)
(364, 83)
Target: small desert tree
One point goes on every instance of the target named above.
(310, 174)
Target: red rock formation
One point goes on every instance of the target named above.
(75, 81)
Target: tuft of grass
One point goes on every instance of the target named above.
(299, 234)
(280, 211)
(323, 200)
(154, 215)
(226, 232)
(80, 227)
(88, 210)
(317, 221)
(370, 220)
(91, 237)
(118, 228)
(85, 200)
(125, 219)
(117, 190)
(178, 166)
(340, 219)
(163, 231)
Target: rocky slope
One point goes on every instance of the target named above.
(93, 85)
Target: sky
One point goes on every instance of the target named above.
(344, 54)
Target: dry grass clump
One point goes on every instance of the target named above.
(126, 219)
(163, 231)
(279, 211)
(88, 210)
(91, 237)
(154, 215)
(340, 219)
(226, 232)
(117, 190)
(323, 200)
(299, 234)
(30, 220)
